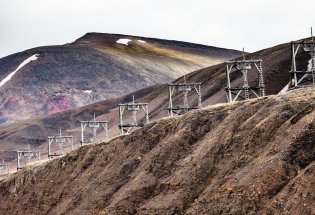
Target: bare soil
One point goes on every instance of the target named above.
(253, 157)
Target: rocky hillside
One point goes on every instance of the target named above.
(276, 63)
(46, 80)
(253, 157)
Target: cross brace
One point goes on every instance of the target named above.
(184, 89)
(244, 92)
(132, 108)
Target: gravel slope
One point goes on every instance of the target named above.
(253, 157)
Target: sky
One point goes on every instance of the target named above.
(252, 24)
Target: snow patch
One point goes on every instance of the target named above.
(285, 89)
(88, 91)
(141, 41)
(8, 78)
(123, 41)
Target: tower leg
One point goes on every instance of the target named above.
(199, 96)
(261, 80)
(18, 162)
(120, 120)
(186, 105)
(49, 150)
(245, 86)
(313, 63)
(295, 84)
(228, 83)
(94, 134)
(106, 131)
(146, 115)
(170, 106)
(82, 134)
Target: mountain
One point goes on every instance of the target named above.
(276, 64)
(46, 80)
(250, 157)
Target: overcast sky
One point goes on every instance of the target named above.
(253, 24)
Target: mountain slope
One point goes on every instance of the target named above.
(276, 63)
(253, 157)
(93, 68)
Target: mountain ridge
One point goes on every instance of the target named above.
(98, 34)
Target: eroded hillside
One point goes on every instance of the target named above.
(252, 157)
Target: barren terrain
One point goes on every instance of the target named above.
(276, 64)
(252, 157)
